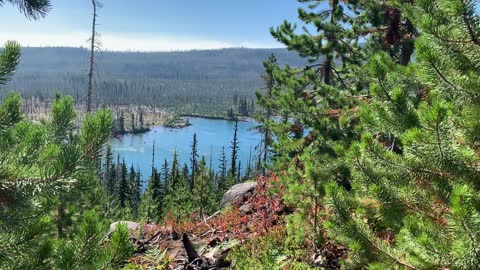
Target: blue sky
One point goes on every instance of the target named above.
(153, 25)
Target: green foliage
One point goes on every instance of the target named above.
(124, 186)
(155, 257)
(178, 201)
(10, 55)
(268, 252)
(317, 105)
(33, 9)
(10, 113)
(235, 148)
(194, 161)
(203, 191)
(47, 181)
(9, 59)
(404, 193)
(268, 103)
(414, 203)
(81, 251)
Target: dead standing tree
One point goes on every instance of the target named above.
(94, 44)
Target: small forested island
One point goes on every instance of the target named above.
(367, 155)
(176, 121)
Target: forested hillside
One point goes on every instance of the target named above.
(206, 82)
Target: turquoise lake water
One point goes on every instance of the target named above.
(211, 134)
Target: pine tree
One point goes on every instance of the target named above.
(154, 197)
(136, 190)
(31, 9)
(204, 201)
(248, 170)
(48, 174)
(123, 189)
(107, 171)
(82, 251)
(193, 161)
(157, 193)
(235, 148)
(389, 29)
(146, 207)
(222, 178)
(239, 171)
(318, 104)
(339, 32)
(165, 172)
(186, 173)
(179, 199)
(265, 100)
(174, 171)
(153, 156)
(9, 60)
(112, 180)
(414, 203)
(10, 55)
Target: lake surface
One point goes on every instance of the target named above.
(211, 134)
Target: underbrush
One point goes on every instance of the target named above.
(267, 252)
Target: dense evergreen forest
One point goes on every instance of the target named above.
(209, 82)
(369, 159)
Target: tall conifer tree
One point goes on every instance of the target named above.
(165, 172)
(222, 178)
(203, 190)
(235, 148)
(319, 104)
(265, 100)
(123, 189)
(136, 190)
(193, 161)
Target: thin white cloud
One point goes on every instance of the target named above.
(123, 42)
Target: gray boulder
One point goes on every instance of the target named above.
(246, 208)
(132, 226)
(238, 193)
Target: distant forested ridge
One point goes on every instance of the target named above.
(208, 82)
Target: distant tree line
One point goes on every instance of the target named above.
(197, 82)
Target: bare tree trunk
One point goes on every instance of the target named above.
(61, 219)
(327, 71)
(265, 149)
(92, 57)
(408, 45)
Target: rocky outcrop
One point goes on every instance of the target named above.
(239, 193)
(132, 226)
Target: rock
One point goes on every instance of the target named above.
(246, 208)
(132, 226)
(239, 192)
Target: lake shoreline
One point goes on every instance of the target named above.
(133, 132)
(240, 118)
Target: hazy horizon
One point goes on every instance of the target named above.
(162, 26)
(140, 51)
